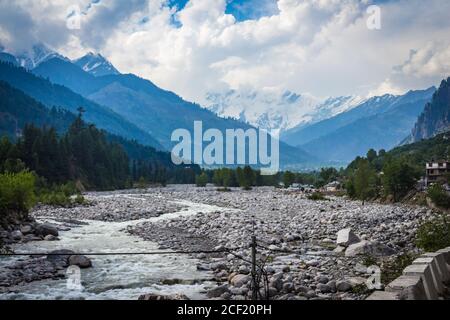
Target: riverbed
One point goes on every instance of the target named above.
(117, 276)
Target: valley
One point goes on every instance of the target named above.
(297, 239)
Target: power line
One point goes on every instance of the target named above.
(227, 250)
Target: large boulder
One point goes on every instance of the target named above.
(239, 280)
(217, 291)
(26, 229)
(46, 229)
(60, 256)
(343, 286)
(16, 235)
(346, 237)
(80, 261)
(371, 248)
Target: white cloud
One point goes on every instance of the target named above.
(318, 46)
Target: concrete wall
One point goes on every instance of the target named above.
(425, 279)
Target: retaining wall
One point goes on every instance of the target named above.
(425, 279)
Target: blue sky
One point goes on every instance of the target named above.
(241, 9)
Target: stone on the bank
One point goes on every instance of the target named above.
(50, 237)
(217, 291)
(27, 229)
(156, 297)
(240, 280)
(371, 248)
(46, 229)
(16, 235)
(80, 261)
(323, 288)
(288, 287)
(244, 269)
(346, 237)
(343, 286)
(60, 256)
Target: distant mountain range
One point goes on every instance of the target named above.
(313, 131)
(123, 104)
(435, 119)
(271, 109)
(52, 95)
(379, 123)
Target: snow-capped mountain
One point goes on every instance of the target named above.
(271, 109)
(96, 65)
(38, 54)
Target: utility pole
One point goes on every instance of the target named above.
(255, 286)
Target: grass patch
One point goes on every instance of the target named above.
(392, 269)
(434, 234)
(317, 196)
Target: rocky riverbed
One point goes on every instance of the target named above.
(297, 239)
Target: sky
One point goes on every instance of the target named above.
(193, 47)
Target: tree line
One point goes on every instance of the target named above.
(89, 156)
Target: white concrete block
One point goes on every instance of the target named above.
(424, 271)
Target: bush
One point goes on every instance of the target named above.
(17, 192)
(393, 269)
(61, 195)
(201, 180)
(439, 196)
(317, 196)
(434, 235)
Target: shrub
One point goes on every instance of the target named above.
(17, 192)
(439, 196)
(201, 180)
(393, 269)
(434, 234)
(61, 195)
(317, 196)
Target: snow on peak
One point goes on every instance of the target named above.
(96, 64)
(38, 54)
(272, 109)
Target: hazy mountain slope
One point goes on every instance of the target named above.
(371, 107)
(55, 95)
(435, 118)
(381, 131)
(157, 111)
(18, 109)
(273, 109)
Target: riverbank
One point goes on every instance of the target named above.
(296, 237)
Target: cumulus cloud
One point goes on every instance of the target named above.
(322, 47)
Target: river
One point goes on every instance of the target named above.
(117, 276)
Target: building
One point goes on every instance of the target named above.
(333, 186)
(436, 171)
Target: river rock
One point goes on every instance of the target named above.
(60, 256)
(26, 229)
(346, 237)
(371, 248)
(80, 261)
(240, 280)
(16, 235)
(217, 291)
(343, 286)
(157, 297)
(50, 237)
(46, 229)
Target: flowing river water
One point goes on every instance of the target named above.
(117, 276)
